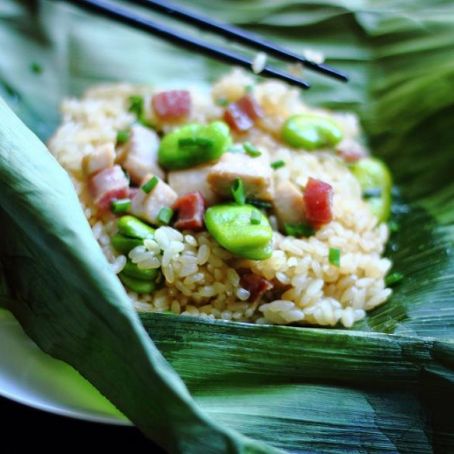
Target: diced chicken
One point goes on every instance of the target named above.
(256, 174)
(107, 185)
(288, 203)
(139, 156)
(318, 200)
(147, 206)
(101, 158)
(242, 114)
(190, 209)
(256, 285)
(172, 105)
(193, 180)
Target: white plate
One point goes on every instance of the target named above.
(29, 376)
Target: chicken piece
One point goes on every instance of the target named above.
(102, 157)
(139, 156)
(288, 203)
(107, 185)
(256, 174)
(193, 180)
(146, 206)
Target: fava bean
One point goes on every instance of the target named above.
(230, 225)
(194, 144)
(375, 180)
(132, 270)
(123, 244)
(310, 132)
(137, 285)
(132, 227)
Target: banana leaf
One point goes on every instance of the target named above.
(387, 385)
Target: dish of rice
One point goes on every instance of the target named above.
(240, 204)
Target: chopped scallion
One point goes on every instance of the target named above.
(36, 68)
(259, 203)
(372, 193)
(278, 164)
(393, 278)
(298, 230)
(393, 226)
(238, 191)
(165, 215)
(251, 150)
(334, 256)
(122, 136)
(237, 148)
(223, 102)
(255, 218)
(121, 206)
(136, 105)
(150, 184)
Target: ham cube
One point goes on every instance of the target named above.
(172, 105)
(318, 200)
(108, 185)
(190, 210)
(256, 285)
(242, 114)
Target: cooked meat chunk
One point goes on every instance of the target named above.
(242, 114)
(101, 158)
(318, 202)
(139, 156)
(147, 205)
(256, 174)
(288, 203)
(193, 180)
(107, 185)
(172, 105)
(190, 209)
(256, 285)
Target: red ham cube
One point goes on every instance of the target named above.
(242, 115)
(256, 285)
(318, 200)
(190, 209)
(108, 185)
(172, 105)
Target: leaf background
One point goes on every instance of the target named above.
(382, 387)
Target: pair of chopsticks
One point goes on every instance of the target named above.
(123, 15)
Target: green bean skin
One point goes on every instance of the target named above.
(132, 227)
(230, 225)
(373, 174)
(123, 244)
(209, 143)
(311, 132)
(132, 270)
(137, 285)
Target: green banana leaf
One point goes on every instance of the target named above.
(387, 385)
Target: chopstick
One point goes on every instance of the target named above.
(239, 35)
(131, 18)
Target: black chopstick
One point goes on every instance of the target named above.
(125, 16)
(239, 35)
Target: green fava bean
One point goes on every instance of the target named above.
(310, 132)
(137, 285)
(132, 270)
(374, 176)
(194, 144)
(123, 244)
(230, 225)
(132, 227)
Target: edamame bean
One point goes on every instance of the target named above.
(376, 181)
(230, 225)
(132, 227)
(194, 144)
(132, 270)
(123, 244)
(137, 285)
(310, 132)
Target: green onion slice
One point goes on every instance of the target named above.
(251, 150)
(150, 184)
(278, 164)
(165, 215)
(298, 230)
(393, 278)
(334, 256)
(238, 191)
(255, 218)
(262, 204)
(122, 136)
(121, 206)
